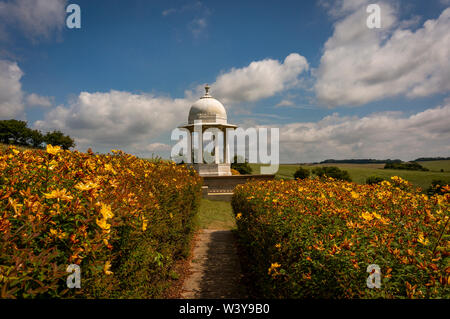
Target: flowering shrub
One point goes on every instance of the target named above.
(313, 238)
(123, 220)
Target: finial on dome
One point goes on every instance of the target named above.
(207, 87)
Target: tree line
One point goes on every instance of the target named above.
(17, 132)
(360, 161)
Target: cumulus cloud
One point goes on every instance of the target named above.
(37, 100)
(117, 119)
(36, 18)
(135, 122)
(11, 95)
(259, 80)
(381, 136)
(360, 65)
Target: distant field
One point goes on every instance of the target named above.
(359, 172)
(5, 146)
(437, 165)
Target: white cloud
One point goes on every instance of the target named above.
(155, 147)
(136, 122)
(117, 119)
(36, 18)
(360, 65)
(11, 95)
(36, 100)
(259, 80)
(285, 103)
(168, 12)
(198, 26)
(381, 136)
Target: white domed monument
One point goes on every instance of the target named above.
(208, 114)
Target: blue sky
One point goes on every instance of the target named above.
(129, 75)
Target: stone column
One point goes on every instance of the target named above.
(198, 128)
(216, 146)
(226, 150)
(189, 158)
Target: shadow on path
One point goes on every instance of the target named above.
(215, 268)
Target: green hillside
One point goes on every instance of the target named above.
(359, 172)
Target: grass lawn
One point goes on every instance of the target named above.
(215, 215)
(359, 172)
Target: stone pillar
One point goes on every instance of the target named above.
(200, 147)
(189, 158)
(226, 150)
(216, 147)
(198, 128)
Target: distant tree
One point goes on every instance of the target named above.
(374, 180)
(429, 159)
(332, 171)
(302, 173)
(58, 138)
(241, 166)
(360, 161)
(17, 133)
(35, 138)
(411, 166)
(14, 132)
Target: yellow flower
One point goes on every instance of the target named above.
(53, 149)
(106, 211)
(421, 239)
(107, 268)
(367, 216)
(58, 194)
(86, 186)
(273, 268)
(278, 245)
(238, 216)
(355, 195)
(16, 206)
(144, 223)
(103, 224)
(377, 216)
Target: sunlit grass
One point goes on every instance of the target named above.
(215, 215)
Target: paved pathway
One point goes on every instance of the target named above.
(214, 269)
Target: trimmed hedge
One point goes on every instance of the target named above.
(123, 220)
(315, 239)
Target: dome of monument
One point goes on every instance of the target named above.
(207, 109)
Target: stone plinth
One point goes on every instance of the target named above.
(222, 187)
(221, 169)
